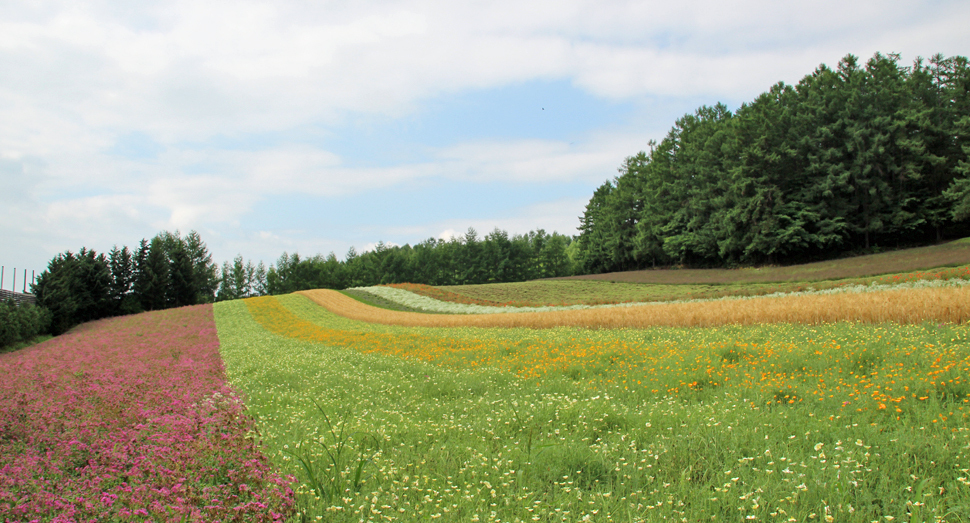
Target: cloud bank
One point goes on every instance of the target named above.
(123, 120)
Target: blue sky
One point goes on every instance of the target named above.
(314, 127)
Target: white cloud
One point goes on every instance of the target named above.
(78, 76)
(372, 246)
(560, 216)
(447, 235)
(528, 161)
(184, 71)
(200, 68)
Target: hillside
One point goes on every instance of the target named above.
(935, 262)
(949, 254)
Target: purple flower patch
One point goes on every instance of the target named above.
(131, 419)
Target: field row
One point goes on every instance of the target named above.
(937, 304)
(663, 360)
(422, 298)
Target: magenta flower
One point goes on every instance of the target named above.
(131, 419)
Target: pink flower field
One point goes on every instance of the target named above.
(130, 419)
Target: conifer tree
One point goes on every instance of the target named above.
(155, 283)
(122, 280)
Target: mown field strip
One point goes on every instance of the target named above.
(835, 422)
(944, 305)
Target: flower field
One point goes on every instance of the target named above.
(421, 302)
(440, 294)
(280, 409)
(949, 303)
(130, 419)
(414, 298)
(840, 421)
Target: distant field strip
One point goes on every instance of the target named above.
(425, 303)
(591, 292)
(413, 300)
(921, 258)
(944, 304)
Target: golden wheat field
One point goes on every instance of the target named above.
(944, 305)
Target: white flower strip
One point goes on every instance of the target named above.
(417, 301)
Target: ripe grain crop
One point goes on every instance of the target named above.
(130, 419)
(944, 305)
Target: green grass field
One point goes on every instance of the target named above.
(840, 422)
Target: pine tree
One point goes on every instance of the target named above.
(122, 280)
(182, 282)
(594, 230)
(204, 271)
(155, 283)
(958, 194)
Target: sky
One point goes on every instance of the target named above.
(311, 127)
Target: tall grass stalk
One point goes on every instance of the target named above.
(342, 472)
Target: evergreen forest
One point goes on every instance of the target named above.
(172, 270)
(849, 159)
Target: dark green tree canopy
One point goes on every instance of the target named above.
(465, 259)
(848, 159)
(168, 271)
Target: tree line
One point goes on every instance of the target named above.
(172, 270)
(846, 160)
(468, 259)
(168, 271)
